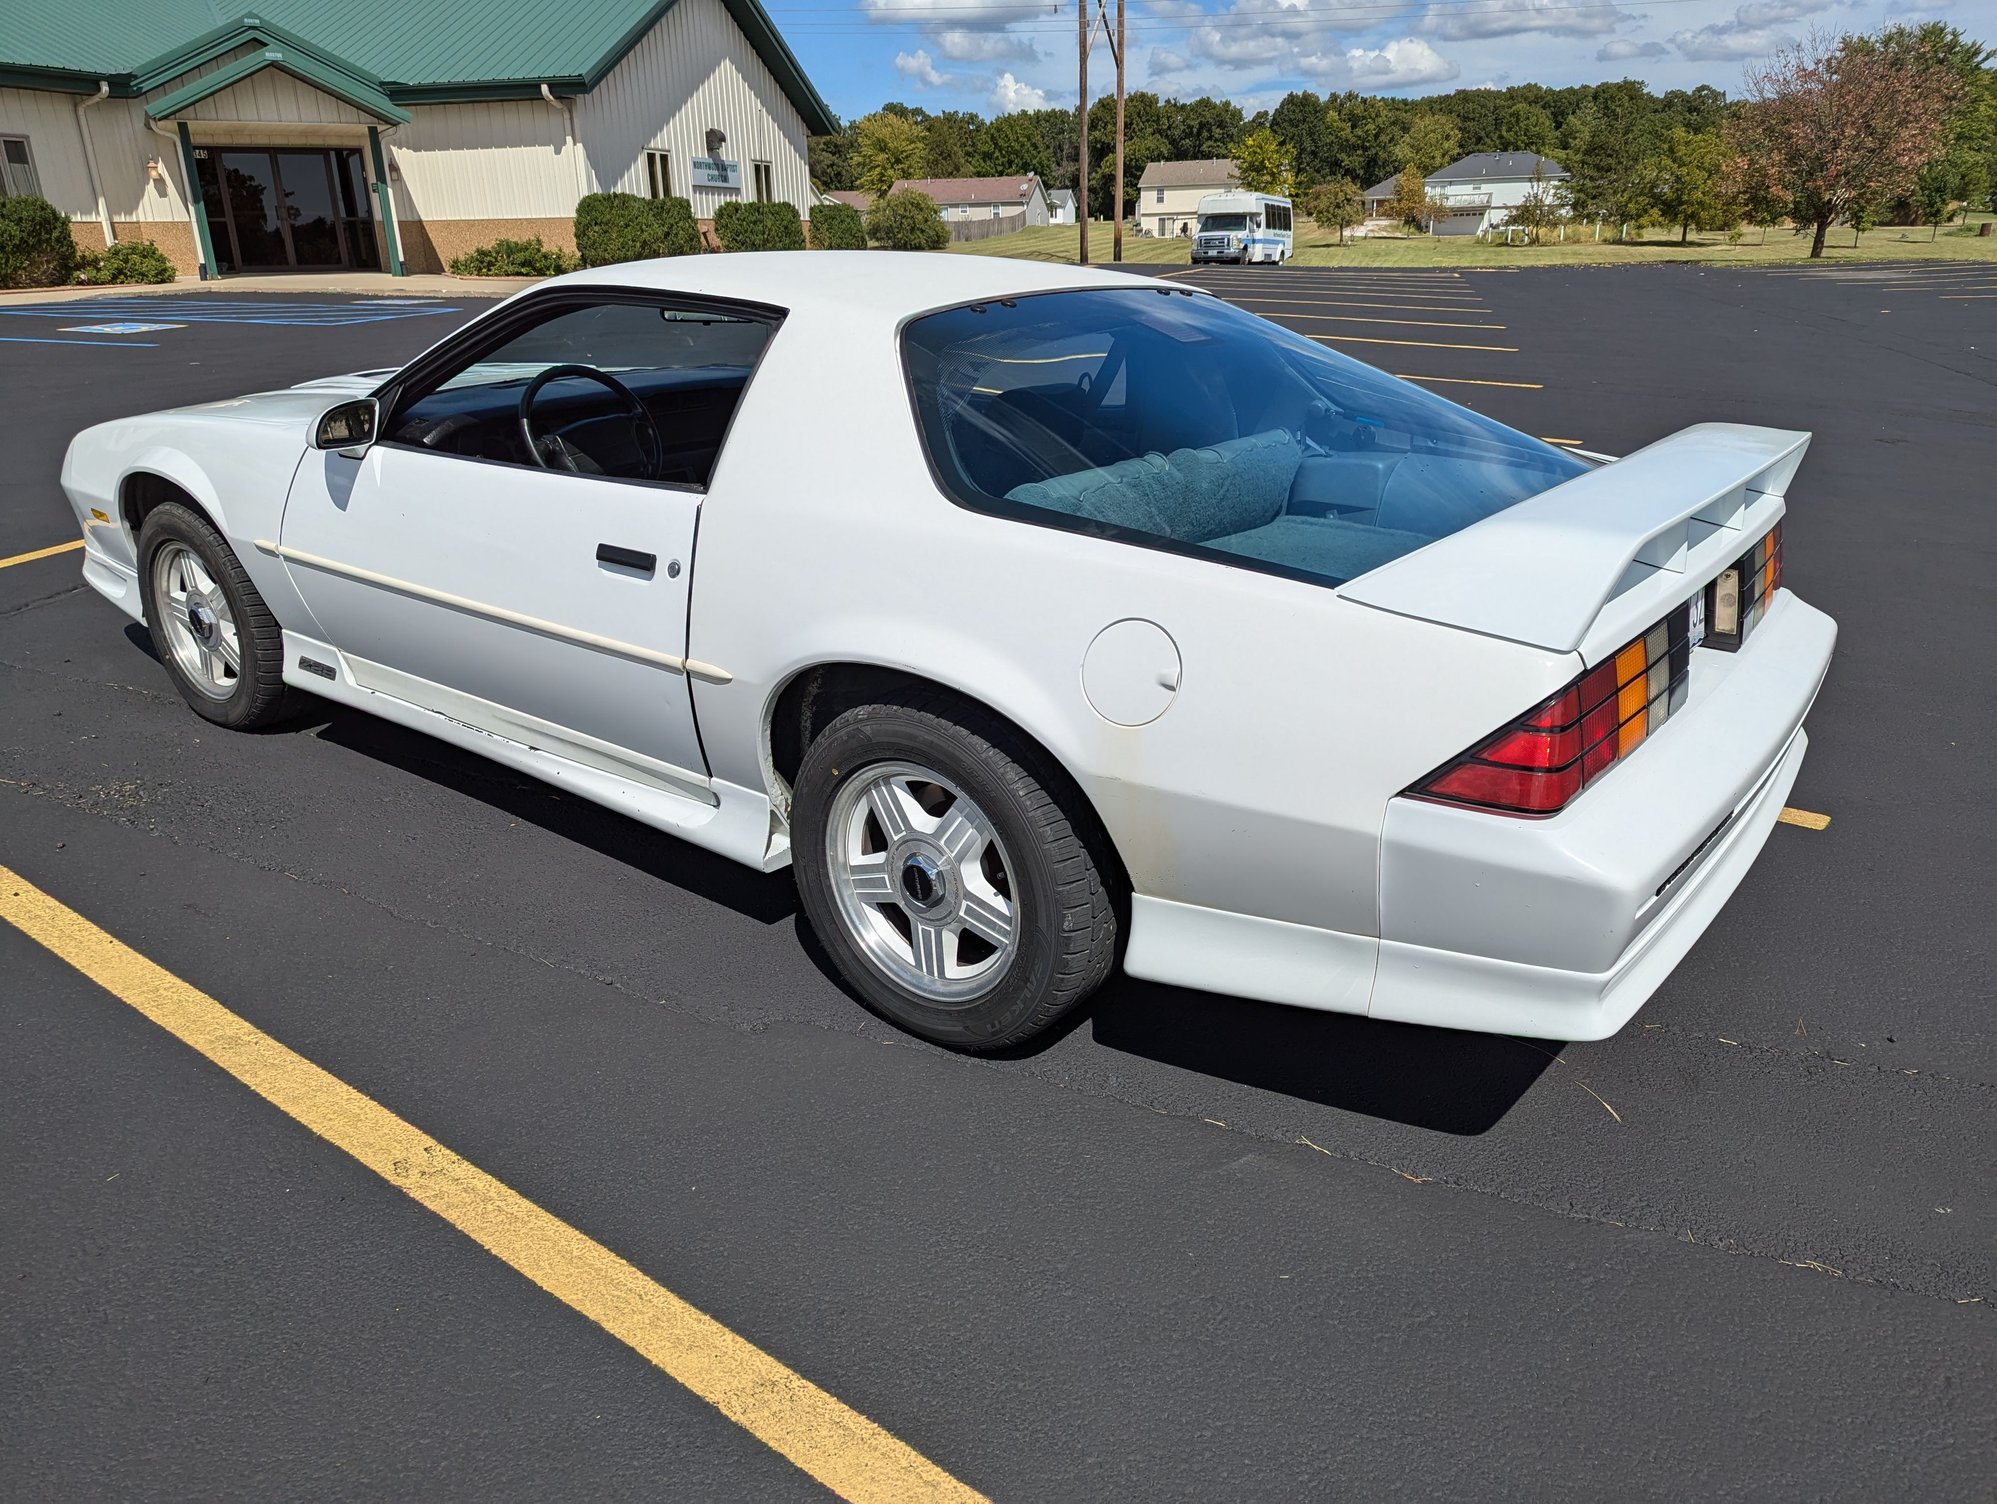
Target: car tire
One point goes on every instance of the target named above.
(1033, 857)
(203, 612)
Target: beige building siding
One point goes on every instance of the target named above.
(698, 56)
(118, 132)
(1181, 206)
(505, 159)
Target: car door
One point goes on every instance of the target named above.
(540, 593)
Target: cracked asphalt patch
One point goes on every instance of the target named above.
(1195, 1248)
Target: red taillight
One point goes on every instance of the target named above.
(1539, 763)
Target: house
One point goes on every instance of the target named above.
(389, 134)
(852, 198)
(1169, 193)
(985, 198)
(1477, 192)
(1061, 206)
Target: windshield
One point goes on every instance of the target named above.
(1223, 222)
(1172, 419)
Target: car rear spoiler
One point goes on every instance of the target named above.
(1592, 561)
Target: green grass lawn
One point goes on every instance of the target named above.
(1319, 248)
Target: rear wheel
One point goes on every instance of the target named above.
(221, 646)
(953, 889)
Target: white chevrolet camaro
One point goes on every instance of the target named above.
(1042, 619)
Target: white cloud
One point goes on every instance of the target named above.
(1267, 36)
(1164, 61)
(1011, 95)
(1623, 50)
(962, 46)
(1505, 18)
(1396, 65)
(1768, 12)
(921, 68)
(1729, 42)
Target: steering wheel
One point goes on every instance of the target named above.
(552, 452)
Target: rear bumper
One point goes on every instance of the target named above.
(1562, 928)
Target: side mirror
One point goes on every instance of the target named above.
(348, 428)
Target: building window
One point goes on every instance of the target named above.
(995, 211)
(659, 173)
(1161, 195)
(764, 192)
(963, 211)
(17, 169)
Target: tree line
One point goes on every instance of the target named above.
(1895, 127)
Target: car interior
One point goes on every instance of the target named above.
(1225, 445)
(626, 390)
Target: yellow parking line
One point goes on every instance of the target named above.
(838, 1446)
(1803, 817)
(42, 553)
(1549, 439)
(1530, 386)
(1427, 344)
(1341, 318)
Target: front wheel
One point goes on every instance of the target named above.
(221, 646)
(944, 875)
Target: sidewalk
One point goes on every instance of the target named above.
(378, 284)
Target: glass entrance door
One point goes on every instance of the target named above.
(287, 208)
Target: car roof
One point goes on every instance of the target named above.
(889, 284)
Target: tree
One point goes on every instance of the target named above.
(907, 221)
(1411, 203)
(1011, 146)
(1338, 203)
(1204, 130)
(1265, 164)
(1613, 147)
(1846, 125)
(1694, 190)
(887, 147)
(1368, 135)
(1525, 127)
(1429, 144)
(953, 142)
(1966, 170)
(1300, 123)
(831, 160)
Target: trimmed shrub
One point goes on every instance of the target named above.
(513, 258)
(907, 221)
(837, 227)
(126, 262)
(681, 230)
(614, 227)
(36, 248)
(758, 227)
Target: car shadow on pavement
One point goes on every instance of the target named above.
(763, 897)
(1440, 1079)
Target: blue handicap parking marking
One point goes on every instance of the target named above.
(126, 328)
(265, 311)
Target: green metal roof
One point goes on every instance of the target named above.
(410, 51)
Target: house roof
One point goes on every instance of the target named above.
(1063, 197)
(1011, 190)
(854, 198)
(409, 51)
(1209, 172)
(1386, 188)
(1502, 166)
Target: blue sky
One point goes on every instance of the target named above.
(997, 55)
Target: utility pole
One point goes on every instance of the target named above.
(1082, 29)
(1116, 235)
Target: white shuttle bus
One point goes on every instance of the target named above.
(1244, 227)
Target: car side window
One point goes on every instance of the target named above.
(627, 389)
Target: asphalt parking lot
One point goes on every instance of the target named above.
(1195, 1248)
